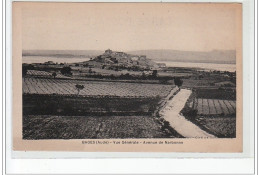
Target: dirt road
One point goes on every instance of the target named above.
(179, 122)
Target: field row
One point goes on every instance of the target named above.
(90, 127)
(214, 106)
(220, 126)
(37, 104)
(44, 74)
(94, 88)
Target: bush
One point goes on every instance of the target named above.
(54, 74)
(189, 113)
(79, 87)
(178, 81)
(164, 80)
(24, 71)
(154, 74)
(66, 71)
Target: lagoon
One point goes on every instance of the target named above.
(204, 66)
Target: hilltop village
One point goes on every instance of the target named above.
(120, 60)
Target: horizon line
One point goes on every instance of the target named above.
(125, 50)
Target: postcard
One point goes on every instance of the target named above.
(127, 77)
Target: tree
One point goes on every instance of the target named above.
(66, 71)
(164, 80)
(25, 68)
(79, 87)
(24, 71)
(143, 76)
(178, 81)
(54, 74)
(154, 74)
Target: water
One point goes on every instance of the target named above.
(205, 66)
(41, 59)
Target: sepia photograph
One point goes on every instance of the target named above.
(129, 71)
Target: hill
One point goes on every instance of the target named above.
(121, 59)
(62, 53)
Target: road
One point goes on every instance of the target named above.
(171, 113)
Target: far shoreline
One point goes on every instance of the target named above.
(231, 67)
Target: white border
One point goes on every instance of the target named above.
(151, 165)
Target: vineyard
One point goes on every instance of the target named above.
(38, 104)
(213, 110)
(90, 127)
(94, 88)
(214, 106)
(220, 126)
(39, 73)
(215, 116)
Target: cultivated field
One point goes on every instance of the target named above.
(92, 127)
(213, 110)
(215, 93)
(94, 88)
(85, 71)
(220, 126)
(214, 106)
(38, 104)
(103, 109)
(193, 83)
(39, 73)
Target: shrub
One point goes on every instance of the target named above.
(178, 81)
(66, 70)
(189, 113)
(54, 74)
(79, 87)
(24, 71)
(154, 74)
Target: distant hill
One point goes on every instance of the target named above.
(63, 53)
(121, 59)
(215, 56)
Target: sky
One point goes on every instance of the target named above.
(130, 26)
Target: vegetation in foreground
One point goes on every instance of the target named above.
(91, 127)
(217, 119)
(91, 88)
(36, 104)
(220, 126)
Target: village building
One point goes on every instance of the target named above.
(114, 58)
(49, 63)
